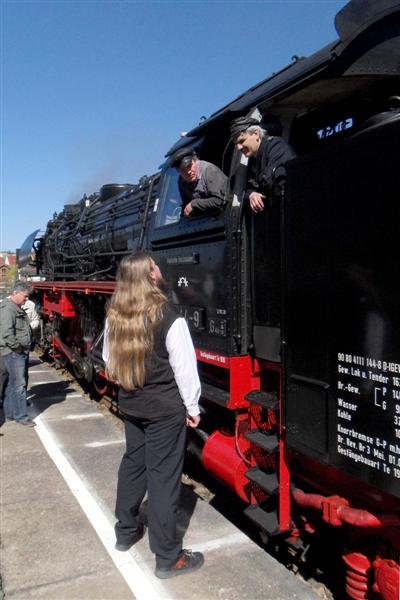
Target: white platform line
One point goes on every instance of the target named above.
(94, 415)
(107, 443)
(233, 539)
(46, 381)
(67, 396)
(32, 396)
(140, 585)
(41, 371)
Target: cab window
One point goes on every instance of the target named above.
(170, 205)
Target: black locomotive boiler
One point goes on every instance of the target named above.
(294, 313)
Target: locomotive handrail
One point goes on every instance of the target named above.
(310, 380)
(146, 212)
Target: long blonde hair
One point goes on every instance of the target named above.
(134, 311)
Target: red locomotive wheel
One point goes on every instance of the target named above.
(100, 384)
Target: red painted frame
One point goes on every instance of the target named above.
(244, 371)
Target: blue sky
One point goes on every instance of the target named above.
(97, 91)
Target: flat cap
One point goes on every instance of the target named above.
(241, 124)
(182, 157)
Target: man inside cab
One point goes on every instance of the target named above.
(271, 153)
(203, 186)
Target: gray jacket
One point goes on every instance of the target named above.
(15, 331)
(209, 192)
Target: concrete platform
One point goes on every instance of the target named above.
(58, 487)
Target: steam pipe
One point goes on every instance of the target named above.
(346, 514)
(363, 518)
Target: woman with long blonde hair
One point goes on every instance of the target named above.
(149, 352)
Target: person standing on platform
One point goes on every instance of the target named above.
(3, 381)
(15, 343)
(34, 321)
(149, 352)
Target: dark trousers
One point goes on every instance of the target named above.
(3, 381)
(153, 461)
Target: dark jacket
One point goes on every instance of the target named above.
(15, 331)
(160, 394)
(209, 192)
(269, 167)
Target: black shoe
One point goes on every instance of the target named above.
(28, 423)
(187, 562)
(124, 546)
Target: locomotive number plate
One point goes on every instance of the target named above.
(194, 315)
(217, 326)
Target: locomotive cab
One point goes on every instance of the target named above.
(200, 256)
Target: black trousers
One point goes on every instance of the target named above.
(153, 461)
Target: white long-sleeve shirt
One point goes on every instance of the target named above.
(30, 308)
(182, 359)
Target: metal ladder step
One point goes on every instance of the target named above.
(214, 394)
(264, 399)
(267, 481)
(268, 442)
(266, 520)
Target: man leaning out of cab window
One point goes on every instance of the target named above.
(270, 152)
(203, 186)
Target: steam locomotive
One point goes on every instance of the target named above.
(294, 313)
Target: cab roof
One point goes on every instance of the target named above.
(332, 60)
